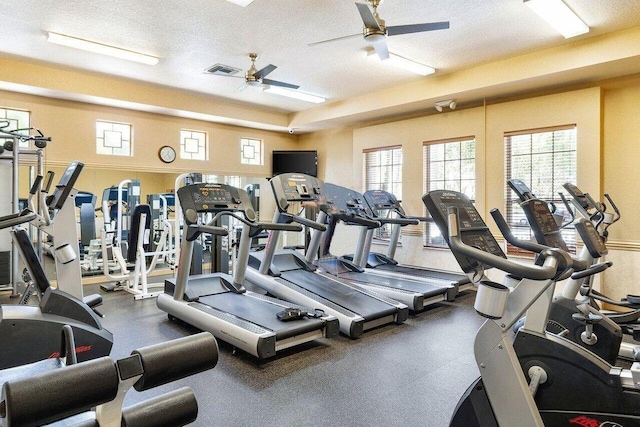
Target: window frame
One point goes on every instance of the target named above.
(260, 162)
(130, 140)
(426, 168)
(511, 200)
(183, 144)
(383, 234)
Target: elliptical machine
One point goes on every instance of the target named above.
(534, 378)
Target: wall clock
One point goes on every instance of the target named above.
(167, 154)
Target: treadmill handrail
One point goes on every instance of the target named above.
(356, 219)
(195, 230)
(398, 220)
(255, 224)
(547, 271)
(302, 221)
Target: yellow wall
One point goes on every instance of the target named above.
(71, 125)
(607, 153)
(488, 125)
(621, 159)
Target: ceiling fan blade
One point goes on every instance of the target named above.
(242, 87)
(277, 83)
(367, 16)
(336, 39)
(381, 49)
(266, 70)
(416, 28)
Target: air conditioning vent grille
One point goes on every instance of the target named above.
(222, 70)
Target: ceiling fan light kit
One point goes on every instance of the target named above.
(559, 16)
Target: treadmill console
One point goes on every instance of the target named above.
(543, 224)
(473, 230)
(296, 187)
(346, 202)
(381, 200)
(213, 198)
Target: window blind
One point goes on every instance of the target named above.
(382, 170)
(448, 165)
(544, 159)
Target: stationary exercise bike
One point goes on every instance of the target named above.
(534, 378)
(628, 317)
(32, 333)
(570, 314)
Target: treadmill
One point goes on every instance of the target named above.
(387, 209)
(289, 275)
(219, 303)
(348, 206)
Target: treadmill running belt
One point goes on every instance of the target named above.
(428, 290)
(261, 313)
(451, 278)
(367, 307)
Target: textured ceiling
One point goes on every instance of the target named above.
(189, 36)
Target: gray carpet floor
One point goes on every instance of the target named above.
(396, 375)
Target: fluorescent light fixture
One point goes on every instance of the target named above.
(403, 63)
(103, 49)
(294, 94)
(243, 3)
(559, 16)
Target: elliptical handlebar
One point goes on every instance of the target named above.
(576, 263)
(554, 259)
(617, 215)
(11, 220)
(569, 209)
(509, 236)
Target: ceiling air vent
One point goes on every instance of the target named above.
(222, 70)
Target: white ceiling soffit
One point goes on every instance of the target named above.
(189, 37)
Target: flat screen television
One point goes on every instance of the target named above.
(304, 161)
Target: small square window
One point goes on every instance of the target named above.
(251, 152)
(113, 139)
(193, 145)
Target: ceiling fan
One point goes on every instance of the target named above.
(375, 31)
(255, 77)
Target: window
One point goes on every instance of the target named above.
(193, 145)
(15, 119)
(251, 152)
(382, 170)
(544, 159)
(114, 139)
(448, 165)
